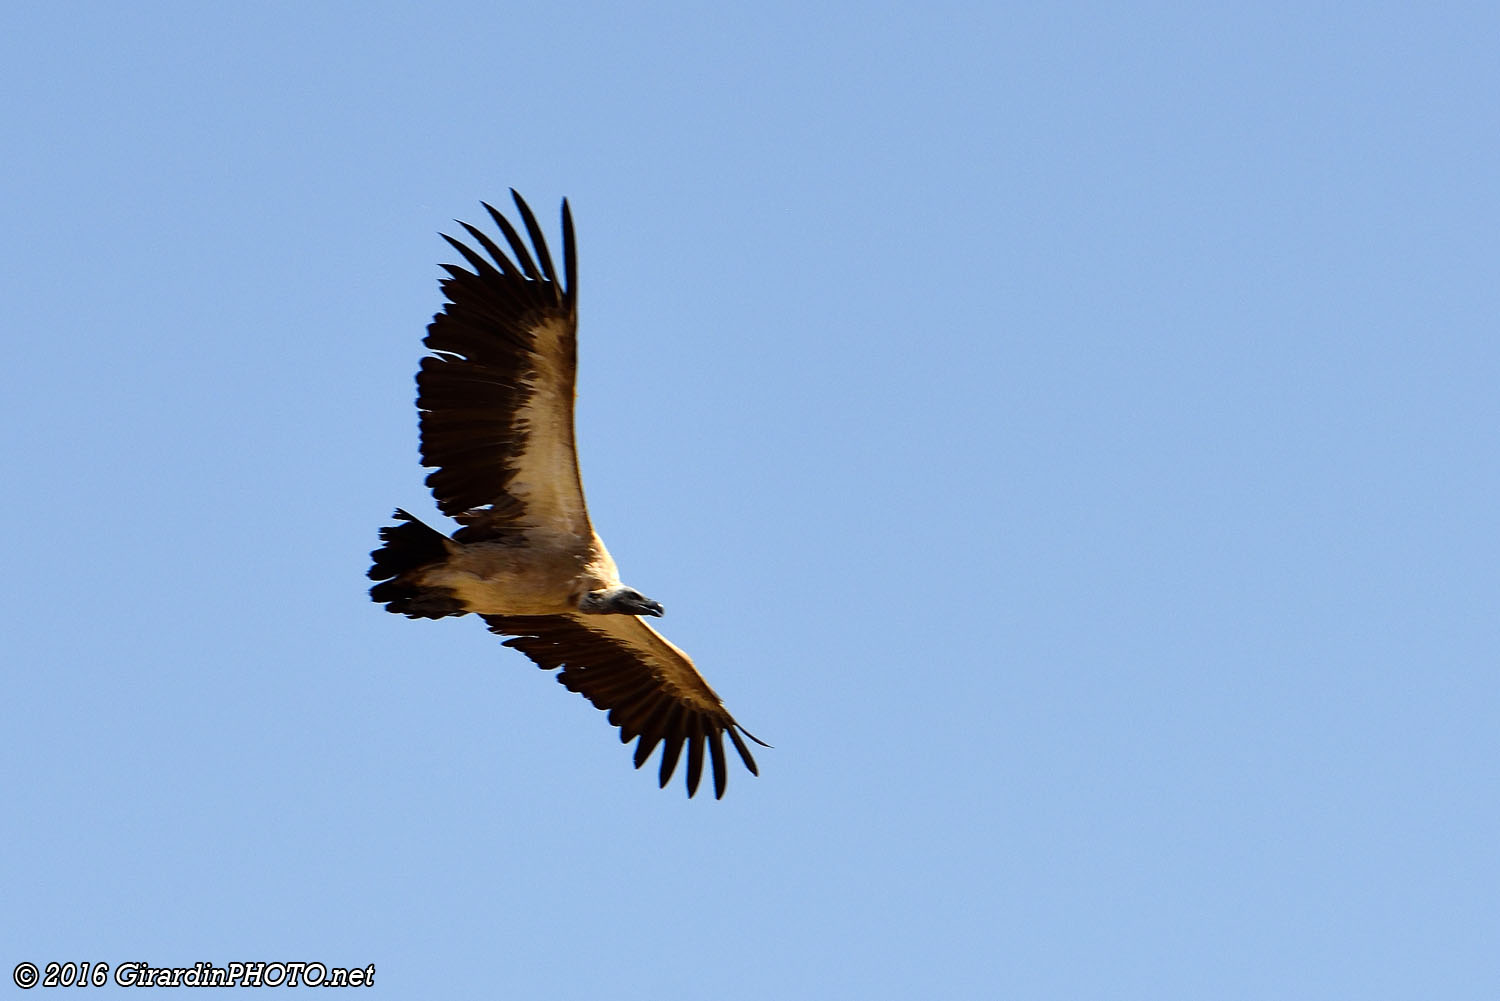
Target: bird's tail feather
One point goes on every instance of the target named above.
(406, 548)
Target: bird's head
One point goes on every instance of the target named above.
(619, 600)
(628, 601)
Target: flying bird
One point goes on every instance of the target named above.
(495, 404)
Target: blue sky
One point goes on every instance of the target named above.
(1067, 432)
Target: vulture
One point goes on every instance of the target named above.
(495, 403)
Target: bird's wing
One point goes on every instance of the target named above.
(496, 394)
(649, 687)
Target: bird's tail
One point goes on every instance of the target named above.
(407, 548)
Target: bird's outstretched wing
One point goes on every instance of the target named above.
(649, 687)
(496, 394)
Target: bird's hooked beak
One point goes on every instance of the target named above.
(649, 607)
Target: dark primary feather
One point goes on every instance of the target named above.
(537, 239)
(642, 700)
(470, 389)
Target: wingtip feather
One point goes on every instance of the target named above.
(695, 761)
(670, 752)
(716, 756)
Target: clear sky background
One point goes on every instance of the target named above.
(1067, 432)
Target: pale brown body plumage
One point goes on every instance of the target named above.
(495, 398)
(546, 577)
